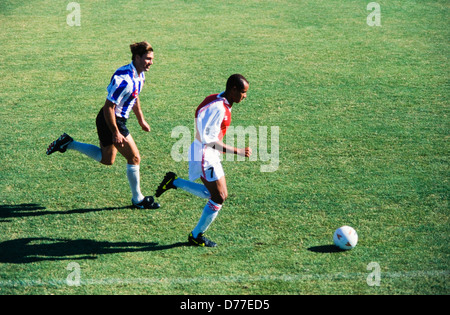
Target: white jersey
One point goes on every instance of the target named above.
(124, 88)
(212, 117)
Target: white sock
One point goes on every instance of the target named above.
(133, 176)
(88, 149)
(198, 190)
(209, 214)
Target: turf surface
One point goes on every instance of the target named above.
(362, 113)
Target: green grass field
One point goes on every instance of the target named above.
(364, 141)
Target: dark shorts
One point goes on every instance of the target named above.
(104, 133)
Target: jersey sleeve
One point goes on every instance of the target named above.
(209, 122)
(117, 89)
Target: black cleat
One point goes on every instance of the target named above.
(59, 144)
(147, 203)
(166, 184)
(200, 240)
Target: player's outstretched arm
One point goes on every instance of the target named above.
(222, 147)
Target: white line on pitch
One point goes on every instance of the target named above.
(224, 279)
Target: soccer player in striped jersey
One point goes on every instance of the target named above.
(212, 118)
(123, 97)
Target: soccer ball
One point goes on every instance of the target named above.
(345, 237)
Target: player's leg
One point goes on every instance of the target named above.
(105, 136)
(219, 193)
(172, 181)
(218, 189)
(131, 153)
(109, 153)
(196, 189)
(89, 150)
(65, 142)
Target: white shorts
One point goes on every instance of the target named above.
(204, 161)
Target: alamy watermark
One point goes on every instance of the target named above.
(374, 17)
(374, 278)
(73, 278)
(74, 17)
(257, 139)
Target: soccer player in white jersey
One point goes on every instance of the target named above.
(212, 118)
(123, 97)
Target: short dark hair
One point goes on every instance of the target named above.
(236, 80)
(139, 49)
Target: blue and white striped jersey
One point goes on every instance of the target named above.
(124, 88)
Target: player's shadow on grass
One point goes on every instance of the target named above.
(21, 210)
(325, 249)
(28, 250)
(32, 209)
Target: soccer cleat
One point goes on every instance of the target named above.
(166, 184)
(200, 240)
(147, 203)
(59, 144)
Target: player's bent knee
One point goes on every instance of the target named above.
(107, 161)
(220, 198)
(135, 160)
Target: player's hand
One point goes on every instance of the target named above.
(119, 139)
(145, 126)
(247, 152)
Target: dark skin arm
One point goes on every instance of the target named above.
(222, 147)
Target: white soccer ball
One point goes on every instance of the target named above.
(345, 237)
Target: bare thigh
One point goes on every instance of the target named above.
(130, 151)
(108, 154)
